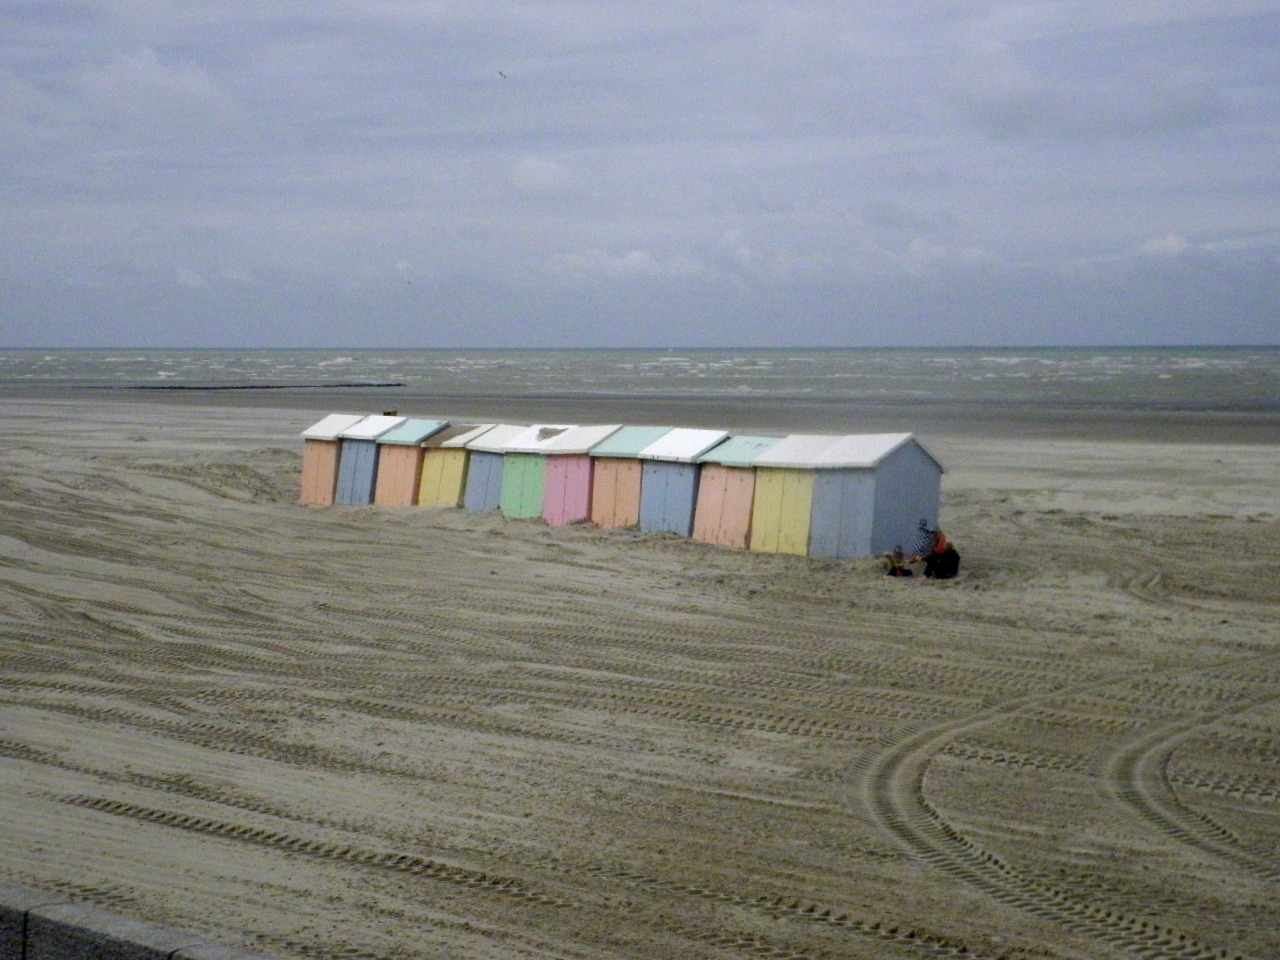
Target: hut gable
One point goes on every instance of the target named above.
(496, 439)
(682, 445)
(740, 451)
(536, 439)
(412, 432)
(371, 428)
(331, 427)
(628, 441)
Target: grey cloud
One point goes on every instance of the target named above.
(769, 169)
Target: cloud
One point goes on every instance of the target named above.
(1168, 245)
(727, 158)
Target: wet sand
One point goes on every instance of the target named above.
(367, 733)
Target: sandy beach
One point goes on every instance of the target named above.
(369, 733)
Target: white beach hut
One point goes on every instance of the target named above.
(843, 496)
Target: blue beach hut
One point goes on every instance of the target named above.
(669, 482)
(358, 461)
(485, 467)
(850, 496)
(616, 472)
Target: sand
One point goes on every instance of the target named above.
(370, 733)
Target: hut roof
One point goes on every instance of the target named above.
(579, 440)
(822, 452)
(331, 427)
(738, 451)
(683, 444)
(371, 428)
(456, 435)
(628, 441)
(537, 438)
(496, 438)
(412, 432)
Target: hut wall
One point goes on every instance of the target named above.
(908, 490)
(524, 478)
(842, 513)
(319, 472)
(444, 477)
(567, 498)
(484, 482)
(357, 471)
(781, 511)
(668, 495)
(398, 476)
(723, 514)
(615, 495)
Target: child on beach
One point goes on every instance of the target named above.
(942, 562)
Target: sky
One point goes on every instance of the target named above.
(488, 173)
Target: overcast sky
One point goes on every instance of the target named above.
(662, 173)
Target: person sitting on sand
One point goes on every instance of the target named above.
(897, 561)
(942, 562)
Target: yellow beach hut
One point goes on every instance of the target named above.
(843, 496)
(400, 455)
(444, 464)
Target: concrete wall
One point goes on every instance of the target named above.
(36, 926)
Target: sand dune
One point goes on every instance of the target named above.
(369, 733)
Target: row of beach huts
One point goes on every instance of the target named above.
(804, 494)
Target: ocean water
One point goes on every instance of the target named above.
(1046, 391)
(1199, 378)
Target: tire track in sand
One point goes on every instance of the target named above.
(886, 787)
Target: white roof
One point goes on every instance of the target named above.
(331, 427)
(371, 428)
(568, 440)
(537, 438)
(462, 439)
(821, 452)
(496, 438)
(683, 444)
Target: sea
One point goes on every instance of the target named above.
(1217, 394)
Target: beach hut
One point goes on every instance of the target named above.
(669, 479)
(400, 456)
(321, 446)
(444, 464)
(726, 491)
(849, 496)
(524, 471)
(485, 467)
(358, 459)
(615, 476)
(570, 479)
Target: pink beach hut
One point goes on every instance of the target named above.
(567, 489)
(321, 448)
(726, 490)
(400, 455)
(616, 472)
